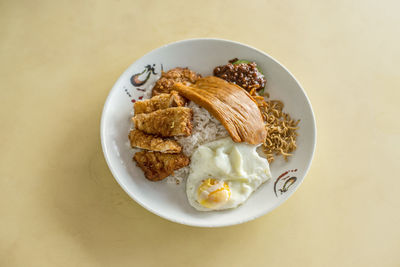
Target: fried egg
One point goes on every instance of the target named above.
(223, 174)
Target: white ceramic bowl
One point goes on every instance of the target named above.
(202, 55)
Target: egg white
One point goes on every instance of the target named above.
(238, 164)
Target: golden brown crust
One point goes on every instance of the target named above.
(150, 142)
(165, 122)
(157, 166)
(231, 105)
(161, 101)
(169, 78)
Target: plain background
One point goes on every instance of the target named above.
(59, 204)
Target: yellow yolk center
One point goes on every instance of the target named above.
(213, 193)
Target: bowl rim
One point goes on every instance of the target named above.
(176, 220)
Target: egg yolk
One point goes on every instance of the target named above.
(213, 193)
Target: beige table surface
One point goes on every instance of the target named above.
(60, 205)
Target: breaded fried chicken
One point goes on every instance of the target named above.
(169, 78)
(161, 101)
(165, 122)
(156, 165)
(146, 141)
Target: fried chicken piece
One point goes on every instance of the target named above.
(156, 165)
(149, 142)
(169, 78)
(165, 122)
(231, 105)
(161, 101)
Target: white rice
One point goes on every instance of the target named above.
(206, 128)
